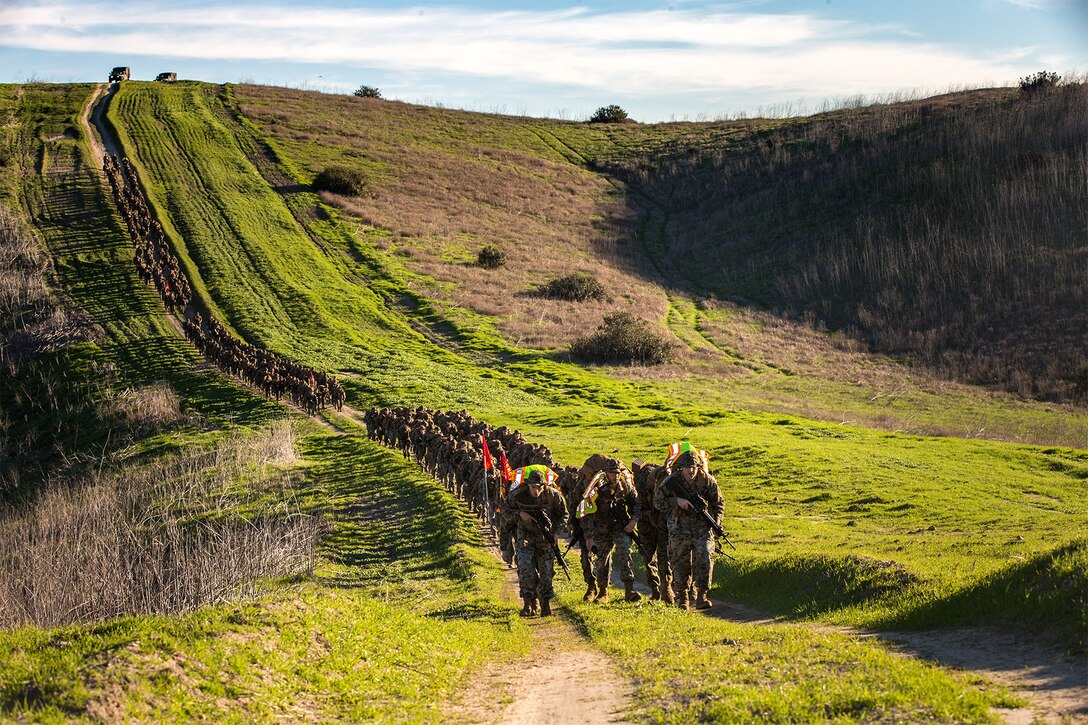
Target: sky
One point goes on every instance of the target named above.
(660, 61)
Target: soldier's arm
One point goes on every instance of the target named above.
(664, 499)
(714, 500)
(559, 513)
(634, 504)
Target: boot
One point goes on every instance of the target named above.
(702, 602)
(545, 607)
(602, 594)
(655, 592)
(629, 592)
(682, 600)
(666, 595)
(591, 591)
(530, 607)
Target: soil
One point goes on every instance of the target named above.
(92, 116)
(1053, 684)
(563, 679)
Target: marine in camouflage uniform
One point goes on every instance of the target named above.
(533, 547)
(691, 540)
(609, 528)
(653, 532)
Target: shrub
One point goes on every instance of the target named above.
(1037, 82)
(341, 180)
(491, 257)
(609, 114)
(575, 287)
(623, 338)
(367, 92)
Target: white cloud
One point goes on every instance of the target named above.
(621, 52)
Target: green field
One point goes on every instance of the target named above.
(838, 519)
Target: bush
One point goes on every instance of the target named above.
(367, 92)
(575, 287)
(341, 180)
(1037, 82)
(491, 257)
(623, 338)
(609, 114)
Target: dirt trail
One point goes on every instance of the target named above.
(93, 124)
(1054, 685)
(564, 679)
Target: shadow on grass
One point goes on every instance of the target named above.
(807, 586)
(391, 521)
(1048, 591)
(494, 613)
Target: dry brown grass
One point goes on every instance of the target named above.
(203, 526)
(145, 408)
(447, 183)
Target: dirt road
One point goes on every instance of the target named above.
(564, 679)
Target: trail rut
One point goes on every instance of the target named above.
(563, 679)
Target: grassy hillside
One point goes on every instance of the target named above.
(430, 207)
(952, 230)
(834, 521)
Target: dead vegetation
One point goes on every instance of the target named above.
(951, 230)
(197, 528)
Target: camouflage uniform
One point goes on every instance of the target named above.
(536, 559)
(577, 488)
(616, 500)
(506, 523)
(691, 540)
(653, 532)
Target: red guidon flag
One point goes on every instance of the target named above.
(507, 472)
(488, 463)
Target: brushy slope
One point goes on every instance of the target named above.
(950, 229)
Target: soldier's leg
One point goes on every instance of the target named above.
(546, 571)
(627, 571)
(587, 573)
(506, 542)
(649, 537)
(528, 577)
(680, 559)
(664, 566)
(602, 568)
(702, 564)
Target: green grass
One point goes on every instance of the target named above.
(695, 668)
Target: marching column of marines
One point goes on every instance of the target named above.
(672, 511)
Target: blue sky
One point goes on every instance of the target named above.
(659, 60)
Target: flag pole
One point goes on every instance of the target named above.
(487, 504)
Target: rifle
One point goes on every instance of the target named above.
(545, 524)
(698, 503)
(619, 515)
(577, 536)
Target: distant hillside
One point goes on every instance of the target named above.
(952, 230)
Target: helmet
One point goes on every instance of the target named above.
(614, 465)
(535, 478)
(685, 459)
